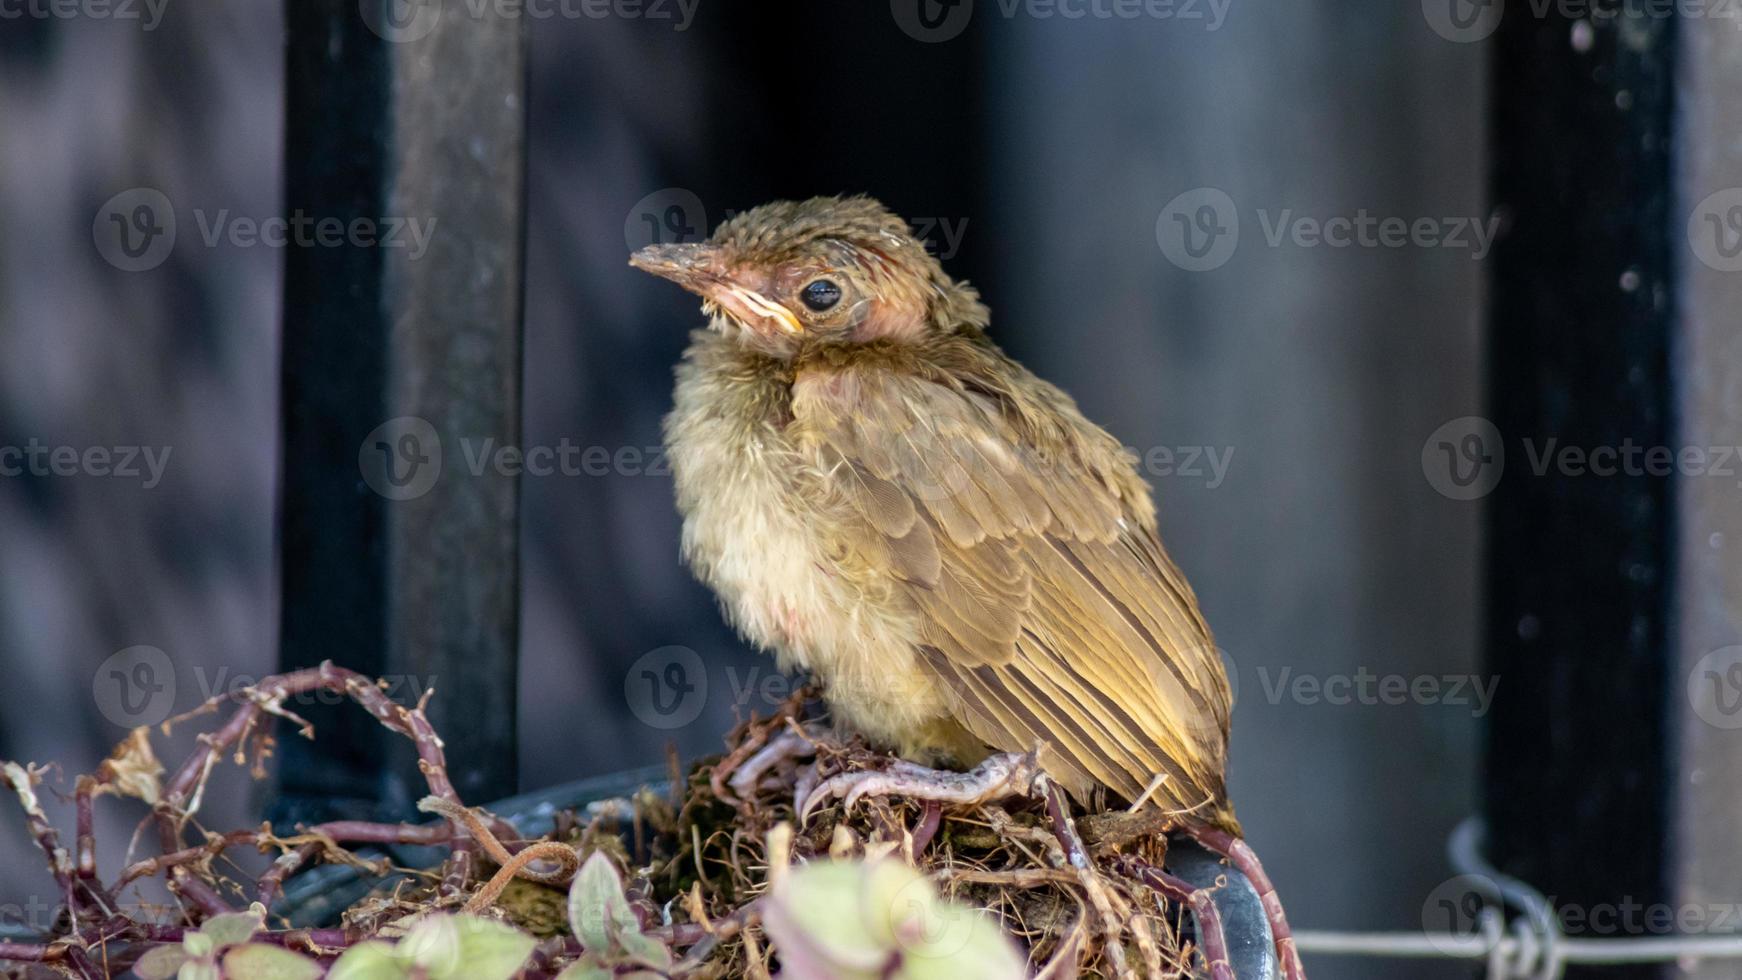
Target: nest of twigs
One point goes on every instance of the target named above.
(696, 862)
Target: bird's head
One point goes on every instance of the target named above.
(838, 270)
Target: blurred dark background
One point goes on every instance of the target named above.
(1038, 153)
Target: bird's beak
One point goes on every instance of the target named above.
(701, 269)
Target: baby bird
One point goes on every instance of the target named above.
(968, 565)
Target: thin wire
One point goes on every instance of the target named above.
(1532, 948)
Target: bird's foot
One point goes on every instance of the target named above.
(1005, 774)
(788, 746)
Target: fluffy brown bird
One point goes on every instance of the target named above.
(884, 499)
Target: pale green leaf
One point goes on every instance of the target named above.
(820, 917)
(433, 944)
(258, 961)
(160, 962)
(372, 960)
(976, 950)
(233, 928)
(198, 945)
(199, 970)
(598, 909)
(644, 950)
(489, 950)
(586, 969)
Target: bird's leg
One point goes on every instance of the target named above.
(1241, 855)
(1212, 942)
(1005, 774)
(789, 745)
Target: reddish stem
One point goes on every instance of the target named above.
(1212, 942)
(32, 953)
(927, 828)
(1241, 855)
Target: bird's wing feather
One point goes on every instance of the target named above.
(1026, 542)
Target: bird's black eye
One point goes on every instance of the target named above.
(821, 294)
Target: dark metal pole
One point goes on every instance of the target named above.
(401, 352)
(1581, 567)
(1615, 598)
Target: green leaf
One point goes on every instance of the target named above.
(489, 950)
(373, 960)
(851, 919)
(198, 945)
(433, 944)
(160, 962)
(586, 969)
(233, 928)
(258, 961)
(644, 950)
(817, 919)
(199, 970)
(598, 909)
(977, 950)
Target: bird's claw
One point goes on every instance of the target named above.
(1005, 774)
(786, 746)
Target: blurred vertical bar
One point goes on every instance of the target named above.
(1707, 783)
(1616, 602)
(397, 559)
(1582, 566)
